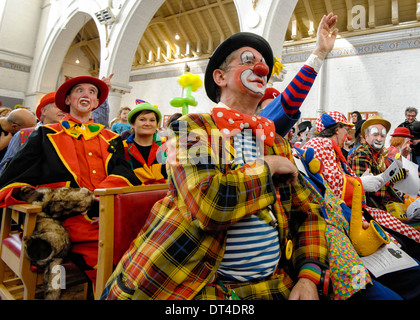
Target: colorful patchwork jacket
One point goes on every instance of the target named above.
(67, 154)
(182, 244)
(154, 170)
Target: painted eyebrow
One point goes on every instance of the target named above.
(246, 55)
(91, 87)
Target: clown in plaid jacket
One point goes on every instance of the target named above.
(182, 244)
(363, 159)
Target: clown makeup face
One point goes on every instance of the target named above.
(375, 136)
(250, 71)
(341, 134)
(83, 98)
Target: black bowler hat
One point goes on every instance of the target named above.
(234, 42)
(303, 126)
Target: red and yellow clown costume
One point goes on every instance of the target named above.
(71, 154)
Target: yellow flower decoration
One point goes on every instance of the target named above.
(278, 66)
(190, 80)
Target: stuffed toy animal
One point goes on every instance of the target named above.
(50, 242)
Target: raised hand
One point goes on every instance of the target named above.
(326, 35)
(107, 80)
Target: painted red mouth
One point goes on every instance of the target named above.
(257, 80)
(260, 83)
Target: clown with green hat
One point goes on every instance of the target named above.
(139, 108)
(142, 148)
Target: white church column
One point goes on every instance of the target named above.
(121, 40)
(266, 18)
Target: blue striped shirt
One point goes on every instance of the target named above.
(252, 246)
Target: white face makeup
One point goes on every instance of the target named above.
(376, 136)
(254, 75)
(83, 98)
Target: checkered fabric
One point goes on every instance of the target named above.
(334, 175)
(387, 220)
(333, 171)
(330, 118)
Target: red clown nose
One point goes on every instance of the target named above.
(261, 69)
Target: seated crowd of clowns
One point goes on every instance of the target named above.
(232, 226)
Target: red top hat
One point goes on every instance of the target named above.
(402, 132)
(46, 100)
(63, 91)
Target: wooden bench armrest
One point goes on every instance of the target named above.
(12, 212)
(120, 190)
(26, 208)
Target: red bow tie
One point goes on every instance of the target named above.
(230, 122)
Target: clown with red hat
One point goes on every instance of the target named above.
(400, 143)
(75, 152)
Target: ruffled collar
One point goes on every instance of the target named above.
(76, 129)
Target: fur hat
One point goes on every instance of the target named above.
(402, 132)
(375, 120)
(46, 100)
(235, 42)
(141, 107)
(329, 119)
(64, 90)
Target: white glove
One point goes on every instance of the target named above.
(372, 183)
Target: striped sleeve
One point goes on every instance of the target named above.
(311, 271)
(284, 110)
(295, 93)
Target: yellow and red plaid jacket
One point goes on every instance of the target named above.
(364, 158)
(182, 244)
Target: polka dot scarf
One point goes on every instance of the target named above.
(230, 122)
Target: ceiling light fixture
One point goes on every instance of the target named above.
(177, 36)
(77, 61)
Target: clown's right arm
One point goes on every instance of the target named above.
(284, 110)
